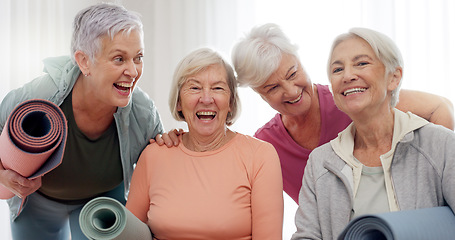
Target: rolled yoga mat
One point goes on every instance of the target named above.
(106, 218)
(33, 140)
(420, 224)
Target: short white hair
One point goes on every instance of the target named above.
(259, 54)
(99, 20)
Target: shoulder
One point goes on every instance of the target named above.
(323, 151)
(155, 153)
(432, 136)
(325, 155)
(141, 100)
(431, 133)
(252, 143)
(143, 111)
(270, 128)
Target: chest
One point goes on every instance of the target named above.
(201, 198)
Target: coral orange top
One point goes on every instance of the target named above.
(234, 192)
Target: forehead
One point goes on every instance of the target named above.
(211, 73)
(287, 64)
(123, 39)
(354, 46)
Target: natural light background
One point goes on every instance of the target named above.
(423, 29)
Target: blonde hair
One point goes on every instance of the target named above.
(194, 63)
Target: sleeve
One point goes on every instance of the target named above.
(448, 174)
(267, 195)
(138, 198)
(306, 217)
(41, 87)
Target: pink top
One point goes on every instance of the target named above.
(234, 192)
(293, 157)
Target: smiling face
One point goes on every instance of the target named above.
(289, 89)
(204, 101)
(117, 68)
(358, 78)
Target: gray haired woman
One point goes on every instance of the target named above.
(110, 121)
(385, 160)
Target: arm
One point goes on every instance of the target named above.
(138, 197)
(267, 196)
(306, 217)
(434, 108)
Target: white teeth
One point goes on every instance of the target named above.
(124, 84)
(206, 113)
(296, 100)
(353, 90)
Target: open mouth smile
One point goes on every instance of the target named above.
(353, 91)
(295, 100)
(208, 115)
(123, 86)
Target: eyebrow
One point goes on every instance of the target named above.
(354, 59)
(116, 51)
(195, 80)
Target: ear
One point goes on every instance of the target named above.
(82, 61)
(179, 106)
(395, 79)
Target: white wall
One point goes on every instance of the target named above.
(173, 28)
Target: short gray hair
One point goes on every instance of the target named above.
(259, 54)
(193, 63)
(384, 48)
(99, 20)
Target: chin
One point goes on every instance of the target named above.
(123, 103)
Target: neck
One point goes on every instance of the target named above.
(305, 129)
(375, 132)
(207, 143)
(85, 101)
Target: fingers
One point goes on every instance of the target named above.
(169, 139)
(19, 185)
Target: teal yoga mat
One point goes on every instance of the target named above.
(106, 218)
(421, 224)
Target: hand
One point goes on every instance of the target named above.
(20, 186)
(170, 139)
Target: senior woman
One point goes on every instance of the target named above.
(110, 121)
(307, 117)
(385, 160)
(217, 184)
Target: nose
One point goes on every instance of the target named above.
(290, 89)
(206, 97)
(349, 75)
(131, 70)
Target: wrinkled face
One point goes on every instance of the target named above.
(117, 68)
(358, 78)
(289, 89)
(204, 101)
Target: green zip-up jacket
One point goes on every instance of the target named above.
(136, 123)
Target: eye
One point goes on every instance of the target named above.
(362, 63)
(336, 70)
(118, 59)
(272, 88)
(292, 75)
(138, 59)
